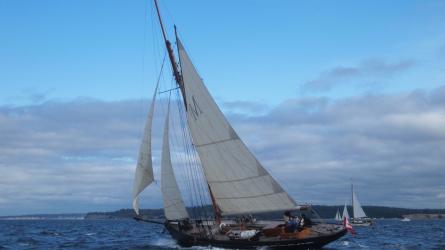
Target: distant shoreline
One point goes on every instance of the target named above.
(325, 212)
(70, 216)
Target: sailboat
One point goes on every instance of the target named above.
(345, 213)
(236, 182)
(338, 216)
(359, 217)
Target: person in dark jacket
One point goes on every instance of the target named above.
(290, 222)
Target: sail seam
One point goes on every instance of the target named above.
(245, 197)
(237, 180)
(216, 142)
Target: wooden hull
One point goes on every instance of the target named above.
(186, 240)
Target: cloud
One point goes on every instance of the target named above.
(79, 156)
(245, 107)
(29, 96)
(371, 69)
(391, 145)
(69, 153)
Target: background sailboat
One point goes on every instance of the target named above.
(359, 217)
(345, 212)
(338, 216)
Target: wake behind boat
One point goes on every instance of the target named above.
(234, 181)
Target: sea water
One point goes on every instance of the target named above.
(129, 234)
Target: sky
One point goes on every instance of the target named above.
(320, 91)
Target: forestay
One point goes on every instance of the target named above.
(144, 170)
(174, 208)
(239, 183)
(356, 207)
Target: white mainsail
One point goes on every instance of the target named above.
(239, 183)
(345, 213)
(337, 215)
(357, 210)
(174, 208)
(144, 170)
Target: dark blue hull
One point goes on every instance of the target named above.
(187, 240)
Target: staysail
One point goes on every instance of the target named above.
(357, 210)
(238, 182)
(345, 213)
(144, 170)
(174, 208)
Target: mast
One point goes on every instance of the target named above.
(171, 55)
(215, 207)
(352, 200)
(180, 82)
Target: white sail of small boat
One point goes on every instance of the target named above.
(357, 210)
(144, 170)
(345, 212)
(174, 208)
(359, 217)
(338, 216)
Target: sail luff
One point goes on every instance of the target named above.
(174, 208)
(144, 169)
(239, 183)
(357, 208)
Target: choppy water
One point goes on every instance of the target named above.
(129, 234)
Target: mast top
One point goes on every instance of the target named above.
(160, 20)
(171, 55)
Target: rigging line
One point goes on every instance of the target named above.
(204, 194)
(167, 12)
(191, 164)
(192, 156)
(177, 155)
(161, 71)
(188, 163)
(181, 160)
(191, 151)
(165, 110)
(169, 90)
(184, 161)
(188, 144)
(155, 38)
(196, 164)
(204, 183)
(143, 60)
(200, 170)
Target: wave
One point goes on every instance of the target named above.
(50, 233)
(27, 241)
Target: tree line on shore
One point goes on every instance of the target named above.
(325, 212)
